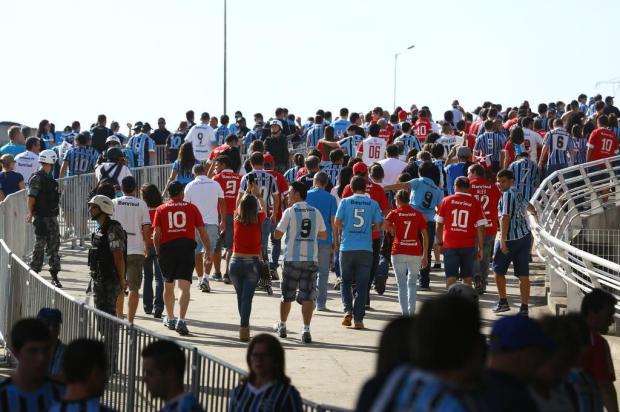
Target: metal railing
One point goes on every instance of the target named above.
(564, 202)
(23, 292)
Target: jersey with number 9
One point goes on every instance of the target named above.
(230, 183)
(357, 213)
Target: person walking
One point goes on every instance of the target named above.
(27, 163)
(408, 226)
(142, 147)
(43, 207)
(245, 262)
(152, 304)
(175, 225)
(304, 227)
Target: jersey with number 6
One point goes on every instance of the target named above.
(230, 183)
(461, 215)
(373, 149)
(177, 219)
(488, 195)
(357, 213)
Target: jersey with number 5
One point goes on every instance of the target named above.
(177, 219)
(357, 213)
(230, 183)
(461, 215)
(373, 149)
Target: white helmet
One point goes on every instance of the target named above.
(104, 203)
(48, 157)
(464, 291)
(276, 122)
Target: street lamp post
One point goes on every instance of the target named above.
(224, 57)
(395, 64)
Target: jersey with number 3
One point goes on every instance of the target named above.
(461, 215)
(373, 149)
(177, 219)
(357, 213)
(230, 183)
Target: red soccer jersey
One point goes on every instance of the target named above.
(282, 189)
(230, 183)
(422, 129)
(596, 360)
(461, 215)
(407, 223)
(301, 172)
(602, 143)
(177, 219)
(377, 194)
(218, 151)
(488, 195)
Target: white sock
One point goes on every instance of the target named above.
(306, 328)
(283, 324)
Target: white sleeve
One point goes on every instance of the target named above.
(283, 224)
(220, 192)
(320, 223)
(146, 218)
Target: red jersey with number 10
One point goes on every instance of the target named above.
(408, 223)
(422, 129)
(177, 219)
(488, 195)
(602, 143)
(230, 183)
(461, 215)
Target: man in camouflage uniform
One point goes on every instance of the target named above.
(43, 201)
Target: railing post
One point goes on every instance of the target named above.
(131, 373)
(195, 386)
(82, 319)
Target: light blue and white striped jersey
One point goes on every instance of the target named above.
(340, 127)
(301, 224)
(221, 133)
(544, 120)
(349, 144)
(290, 174)
(513, 204)
(182, 403)
(490, 144)
(80, 160)
(140, 146)
(560, 145)
(583, 108)
(255, 134)
(333, 172)
(12, 399)
(85, 405)
(409, 141)
(266, 183)
(581, 150)
(527, 176)
(315, 133)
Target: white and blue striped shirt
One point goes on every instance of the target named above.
(527, 175)
(301, 223)
(85, 405)
(560, 145)
(349, 144)
(140, 146)
(490, 144)
(409, 141)
(513, 204)
(333, 172)
(221, 133)
(266, 183)
(80, 160)
(315, 133)
(290, 174)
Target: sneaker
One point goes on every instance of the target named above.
(358, 325)
(437, 265)
(274, 274)
(479, 285)
(157, 314)
(148, 311)
(380, 285)
(337, 285)
(226, 279)
(216, 277)
(502, 306)
(182, 328)
(205, 287)
(306, 337)
(170, 323)
(524, 310)
(280, 329)
(322, 309)
(56, 283)
(346, 321)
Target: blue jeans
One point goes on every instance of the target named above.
(244, 273)
(325, 254)
(405, 268)
(266, 230)
(426, 271)
(276, 248)
(355, 267)
(151, 263)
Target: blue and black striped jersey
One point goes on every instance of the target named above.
(80, 160)
(13, 399)
(560, 144)
(513, 204)
(527, 176)
(84, 405)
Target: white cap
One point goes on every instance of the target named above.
(113, 139)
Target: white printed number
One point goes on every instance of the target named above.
(177, 220)
(231, 187)
(484, 199)
(357, 215)
(460, 218)
(606, 145)
(408, 224)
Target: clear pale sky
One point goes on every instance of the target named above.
(135, 60)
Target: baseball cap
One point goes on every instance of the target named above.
(608, 99)
(137, 126)
(113, 139)
(147, 126)
(128, 184)
(360, 168)
(514, 333)
(50, 315)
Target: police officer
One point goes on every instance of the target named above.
(43, 202)
(106, 257)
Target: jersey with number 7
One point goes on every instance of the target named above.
(358, 213)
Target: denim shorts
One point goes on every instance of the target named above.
(518, 254)
(213, 232)
(459, 262)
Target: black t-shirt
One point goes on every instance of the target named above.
(99, 135)
(611, 109)
(160, 136)
(501, 392)
(308, 181)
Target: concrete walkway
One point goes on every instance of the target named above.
(333, 368)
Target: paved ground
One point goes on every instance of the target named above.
(332, 369)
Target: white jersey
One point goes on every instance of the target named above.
(448, 142)
(373, 149)
(26, 164)
(392, 168)
(204, 193)
(202, 138)
(132, 213)
(531, 142)
(301, 223)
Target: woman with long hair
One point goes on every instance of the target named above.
(344, 178)
(153, 199)
(266, 388)
(45, 135)
(513, 146)
(246, 260)
(581, 144)
(182, 167)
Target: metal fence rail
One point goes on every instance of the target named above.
(23, 293)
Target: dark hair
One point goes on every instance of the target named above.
(328, 134)
(28, 330)
(405, 127)
(392, 150)
(597, 300)
(377, 172)
(542, 108)
(374, 130)
(81, 357)
(186, 156)
(462, 182)
(83, 138)
(168, 356)
(299, 188)
(298, 159)
(336, 155)
(247, 210)
(312, 162)
(437, 151)
(224, 160)
(603, 120)
(344, 112)
(506, 173)
(516, 135)
(477, 169)
(432, 138)
(403, 196)
(396, 346)
(257, 159)
(174, 188)
(257, 146)
(577, 131)
(224, 119)
(527, 122)
(32, 142)
(151, 195)
(344, 179)
(354, 117)
(426, 170)
(275, 352)
(358, 183)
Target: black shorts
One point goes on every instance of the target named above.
(176, 260)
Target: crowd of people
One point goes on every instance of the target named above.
(355, 195)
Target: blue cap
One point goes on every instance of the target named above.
(50, 315)
(514, 333)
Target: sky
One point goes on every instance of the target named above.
(66, 60)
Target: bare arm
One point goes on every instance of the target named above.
(396, 186)
(30, 204)
(480, 240)
(146, 234)
(424, 262)
(222, 206)
(543, 154)
(322, 235)
(63, 168)
(439, 235)
(119, 264)
(277, 235)
(153, 157)
(333, 145)
(276, 207)
(205, 241)
(173, 175)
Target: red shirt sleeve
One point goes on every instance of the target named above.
(346, 192)
(596, 360)
(360, 147)
(197, 216)
(380, 197)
